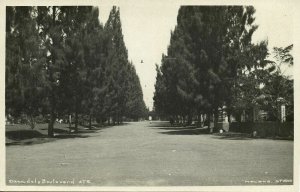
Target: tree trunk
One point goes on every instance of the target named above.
(51, 123)
(216, 114)
(183, 120)
(52, 96)
(190, 119)
(176, 119)
(208, 121)
(32, 125)
(52, 112)
(114, 120)
(229, 117)
(76, 121)
(198, 120)
(118, 119)
(90, 122)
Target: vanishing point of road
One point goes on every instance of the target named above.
(144, 154)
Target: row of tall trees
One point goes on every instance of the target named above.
(210, 59)
(62, 61)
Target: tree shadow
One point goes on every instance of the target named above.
(67, 136)
(31, 141)
(67, 130)
(56, 130)
(30, 137)
(23, 134)
(177, 128)
(233, 136)
(185, 131)
(43, 139)
(82, 129)
(166, 124)
(95, 126)
(161, 124)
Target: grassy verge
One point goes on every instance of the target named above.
(21, 134)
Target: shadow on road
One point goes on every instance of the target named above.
(176, 130)
(66, 130)
(166, 124)
(187, 131)
(160, 124)
(71, 136)
(193, 130)
(233, 136)
(201, 131)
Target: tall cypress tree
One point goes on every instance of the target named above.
(50, 26)
(24, 63)
(135, 106)
(94, 61)
(116, 67)
(77, 68)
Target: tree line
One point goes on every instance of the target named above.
(60, 61)
(212, 64)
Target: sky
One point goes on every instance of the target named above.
(147, 28)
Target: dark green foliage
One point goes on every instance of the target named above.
(123, 91)
(61, 61)
(135, 106)
(50, 26)
(24, 64)
(209, 50)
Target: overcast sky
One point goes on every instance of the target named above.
(147, 27)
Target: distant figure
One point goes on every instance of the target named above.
(150, 118)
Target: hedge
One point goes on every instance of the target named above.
(264, 129)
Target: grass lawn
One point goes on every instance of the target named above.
(22, 134)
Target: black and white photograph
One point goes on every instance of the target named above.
(149, 95)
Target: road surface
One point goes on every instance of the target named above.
(144, 154)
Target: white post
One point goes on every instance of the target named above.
(282, 114)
